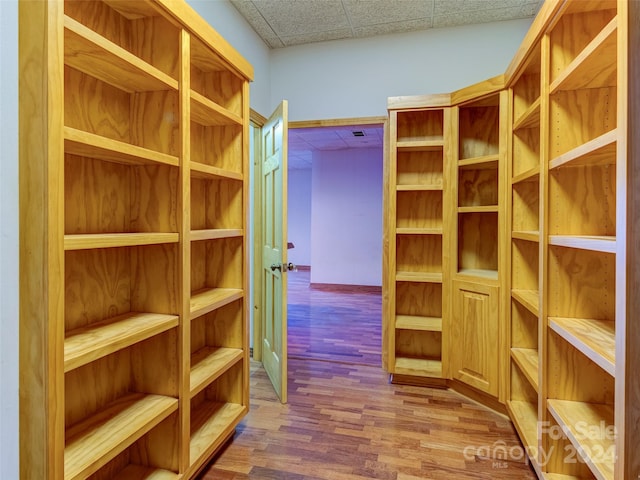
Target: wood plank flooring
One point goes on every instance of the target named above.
(345, 421)
(339, 323)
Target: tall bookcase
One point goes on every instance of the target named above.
(134, 148)
(524, 220)
(568, 241)
(416, 232)
(479, 152)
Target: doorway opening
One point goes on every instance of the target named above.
(335, 190)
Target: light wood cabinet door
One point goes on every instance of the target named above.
(474, 335)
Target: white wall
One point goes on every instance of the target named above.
(299, 216)
(226, 20)
(9, 240)
(353, 78)
(346, 221)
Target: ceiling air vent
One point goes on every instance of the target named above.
(358, 133)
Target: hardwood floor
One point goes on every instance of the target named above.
(334, 323)
(345, 421)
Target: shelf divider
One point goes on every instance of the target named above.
(414, 322)
(115, 240)
(84, 345)
(209, 299)
(599, 151)
(209, 363)
(595, 66)
(599, 450)
(208, 113)
(419, 188)
(419, 367)
(209, 172)
(479, 163)
(527, 298)
(86, 144)
(585, 242)
(596, 339)
(479, 209)
(527, 361)
(420, 145)
(529, 236)
(435, 277)
(530, 117)
(89, 52)
(92, 443)
(211, 423)
(531, 175)
(215, 233)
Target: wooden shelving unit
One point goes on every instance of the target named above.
(477, 169)
(525, 173)
(567, 208)
(141, 303)
(416, 270)
(580, 207)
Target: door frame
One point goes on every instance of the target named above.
(257, 120)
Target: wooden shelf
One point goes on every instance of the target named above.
(211, 423)
(137, 472)
(531, 175)
(530, 118)
(418, 188)
(209, 299)
(435, 277)
(115, 240)
(210, 114)
(527, 361)
(418, 231)
(596, 339)
(599, 151)
(209, 363)
(525, 419)
(94, 442)
(597, 451)
(595, 66)
(84, 345)
(215, 233)
(484, 274)
(419, 367)
(414, 322)
(585, 242)
(90, 145)
(100, 58)
(208, 172)
(560, 476)
(420, 145)
(479, 209)
(529, 236)
(479, 163)
(530, 299)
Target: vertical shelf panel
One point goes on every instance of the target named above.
(126, 99)
(416, 181)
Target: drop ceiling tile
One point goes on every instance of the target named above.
(395, 27)
(249, 11)
(296, 17)
(272, 41)
(531, 9)
(341, 34)
(480, 16)
(374, 12)
(449, 7)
